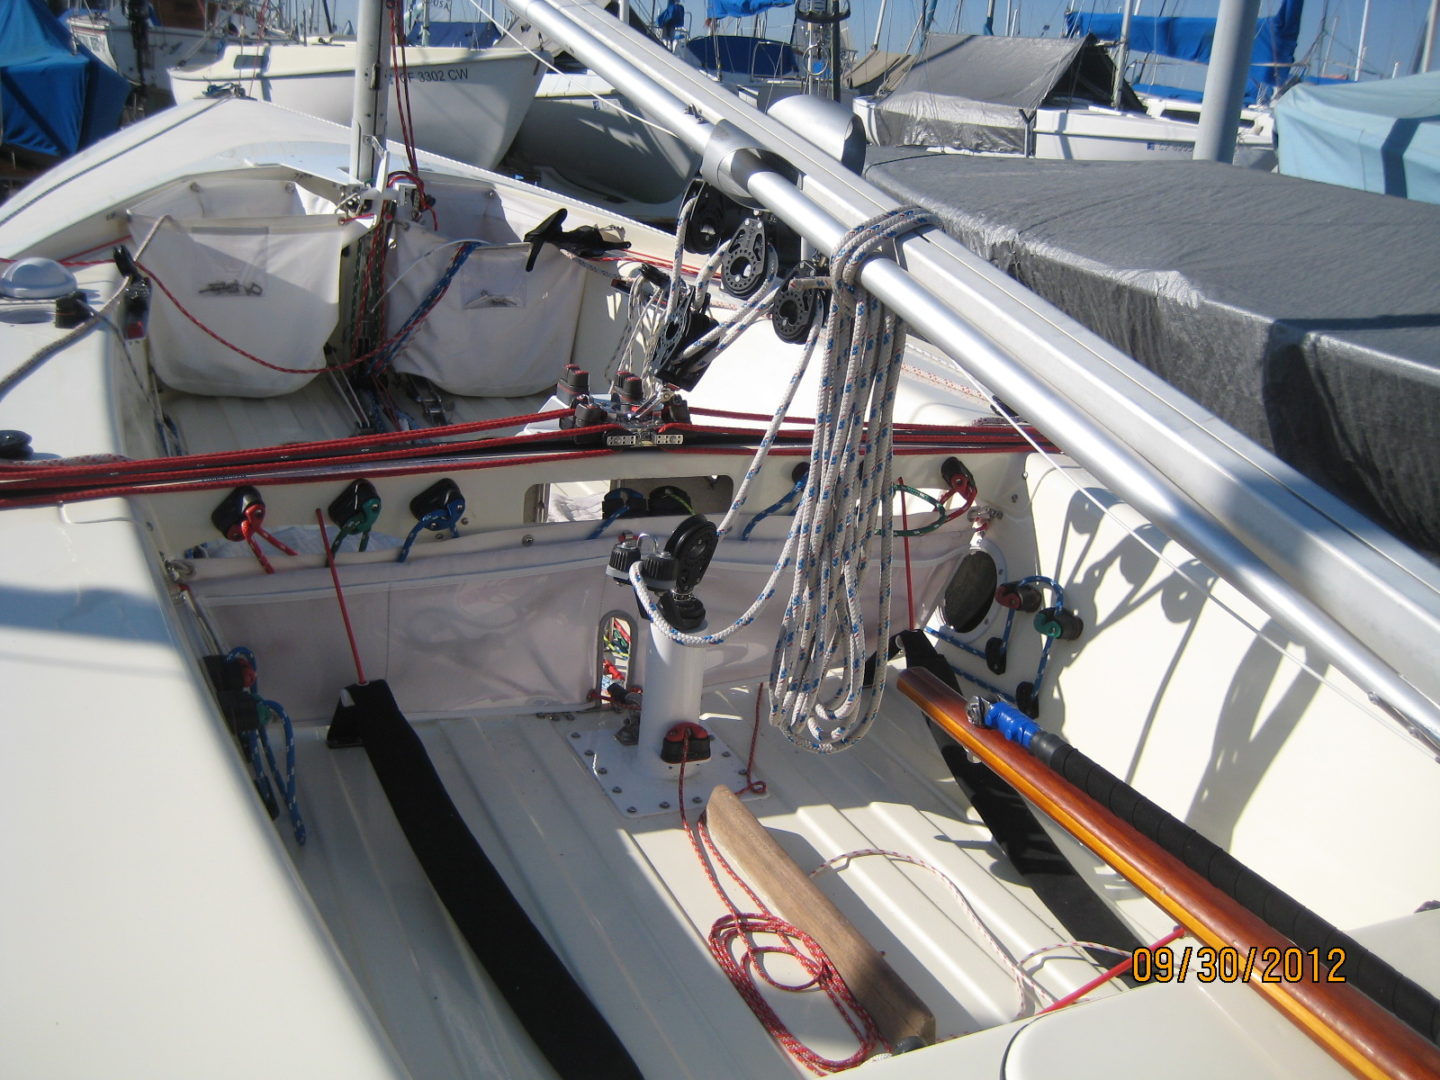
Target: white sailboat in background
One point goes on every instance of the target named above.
(459, 102)
(328, 441)
(1044, 98)
(143, 48)
(584, 138)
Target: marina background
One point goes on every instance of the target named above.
(1393, 31)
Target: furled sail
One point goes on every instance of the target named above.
(1184, 37)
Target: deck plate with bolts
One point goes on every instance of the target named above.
(633, 785)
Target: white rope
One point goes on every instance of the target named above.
(845, 504)
(1026, 988)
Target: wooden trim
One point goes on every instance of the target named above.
(899, 1013)
(1357, 1032)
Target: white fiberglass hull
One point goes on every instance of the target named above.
(152, 899)
(1095, 133)
(1099, 134)
(113, 44)
(465, 104)
(582, 137)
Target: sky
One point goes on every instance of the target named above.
(1391, 34)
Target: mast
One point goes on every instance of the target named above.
(1364, 29)
(372, 91)
(1122, 54)
(1225, 80)
(1432, 21)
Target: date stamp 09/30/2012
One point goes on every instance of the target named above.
(1229, 965)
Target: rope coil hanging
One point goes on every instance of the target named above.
(845, 505)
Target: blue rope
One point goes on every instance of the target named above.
(989, 688)
(605, 523)
(430, 299)
(251, 739)
(1059, 594)
(620, 512)
(785, 500)
(1045, 647)
(434, 521)
(258, 741)
(292, 802)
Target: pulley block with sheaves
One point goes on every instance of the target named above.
(751, 258)
(799, 303)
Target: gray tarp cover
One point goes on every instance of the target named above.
(1305, 315)
(974, 92)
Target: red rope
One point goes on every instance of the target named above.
(148, 487)
(757, 786)
(362, 449)
(726, 414)
(376, 248)
(1100, 980)
(251, 527)
(401, 88)
(740, 929)
(978, 435)
(340, 597)
(320, 452)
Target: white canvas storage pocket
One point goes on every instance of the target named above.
(256, 263)
(498, 331)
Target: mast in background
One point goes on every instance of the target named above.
(1225, 80)
(1122, 54)
(1364, 30)
(1432, 23)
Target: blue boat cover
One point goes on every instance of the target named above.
(1381, 136)
(1191, 38)
(55, 97)
(737, 54)
(722, 9)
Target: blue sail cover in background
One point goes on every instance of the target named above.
(1382, 135)
(740, 54)
(1190, 38)
(55, 99)
(724, 9)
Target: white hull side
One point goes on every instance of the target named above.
(113, 45)
(156, 913)
(466, 104)
(579, 134)
(1095, 133)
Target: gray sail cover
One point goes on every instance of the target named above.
(974, 92)
(1303, 314)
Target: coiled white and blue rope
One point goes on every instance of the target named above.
(845, 506)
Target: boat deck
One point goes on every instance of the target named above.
(623, 899)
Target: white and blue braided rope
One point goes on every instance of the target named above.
(846, 503)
